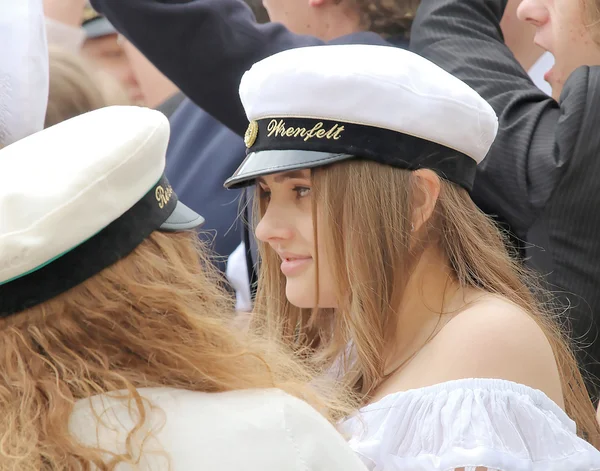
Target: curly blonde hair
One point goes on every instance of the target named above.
(157, 318)
(388, 17)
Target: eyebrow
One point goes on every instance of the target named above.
(281, 177)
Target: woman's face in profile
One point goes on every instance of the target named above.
(287, 226)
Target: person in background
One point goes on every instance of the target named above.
(541, 172)
(116, 347)
(210, 76)
(202, 154)
(213, 83)
(76, 87)
(23, 69)
(518, 36)
(102, 47)
(76, 27)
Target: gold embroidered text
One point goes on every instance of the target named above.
(278, 128)
(163, 195)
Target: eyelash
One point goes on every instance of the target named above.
(299, 189)
(265, 194)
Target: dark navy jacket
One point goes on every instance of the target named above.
(202, 154)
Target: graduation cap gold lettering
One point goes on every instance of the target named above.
(278, 128)
(163, 195)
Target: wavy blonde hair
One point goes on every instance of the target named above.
(366, 211)
(157, 318)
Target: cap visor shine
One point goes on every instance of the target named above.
(181, 219)
(267, 162)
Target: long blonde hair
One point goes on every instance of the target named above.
(156, 318)
(365, 213)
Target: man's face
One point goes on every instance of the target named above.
(106, 53)
(561, 29)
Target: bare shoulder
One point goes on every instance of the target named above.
(495, 338)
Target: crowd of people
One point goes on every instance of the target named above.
(299, 235)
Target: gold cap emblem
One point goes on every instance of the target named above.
(251, 134)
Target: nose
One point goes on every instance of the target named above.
(532, 12)
(273, 227)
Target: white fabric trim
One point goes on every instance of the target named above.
(237, 274)
(539, 69)
(489, 423)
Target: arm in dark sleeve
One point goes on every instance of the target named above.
(536, 137)
(203, 46)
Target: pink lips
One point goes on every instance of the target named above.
(291, 266)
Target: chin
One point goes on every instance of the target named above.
(300, 295)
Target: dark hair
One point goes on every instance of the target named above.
(388, 17)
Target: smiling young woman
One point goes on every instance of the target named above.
(377, 265)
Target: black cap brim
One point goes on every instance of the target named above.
(268, 162)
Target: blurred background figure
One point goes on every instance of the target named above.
(117, 56)
(76, 27)
(518, 36)
(23, 69)
(103, 48)
(76, 87)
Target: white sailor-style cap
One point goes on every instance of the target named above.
(313, 106)
(77, 197)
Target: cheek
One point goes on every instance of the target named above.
(327, 286)
(301, 290)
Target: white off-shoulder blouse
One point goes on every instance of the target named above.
(473, 424)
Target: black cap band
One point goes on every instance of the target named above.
(367, 142)
(108, 246)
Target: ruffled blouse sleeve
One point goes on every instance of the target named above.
(477, 425)
(23, 69)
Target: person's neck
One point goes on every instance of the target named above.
(336, 23)
(431, 291)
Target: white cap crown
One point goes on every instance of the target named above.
(383, 87)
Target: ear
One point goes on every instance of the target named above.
(426, 191)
